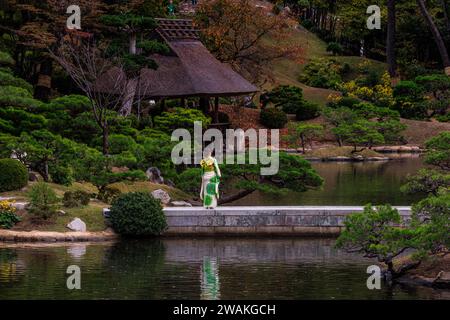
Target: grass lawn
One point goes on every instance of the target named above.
(90, 214)
(287, 71)
(175, 194)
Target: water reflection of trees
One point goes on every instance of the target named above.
(8, 266)
(350, 183)
(133, 268)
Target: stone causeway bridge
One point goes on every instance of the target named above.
(263, 220)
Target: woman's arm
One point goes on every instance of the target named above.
(216, 166)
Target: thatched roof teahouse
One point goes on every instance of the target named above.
(189, 70)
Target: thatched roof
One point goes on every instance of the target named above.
(190, 69)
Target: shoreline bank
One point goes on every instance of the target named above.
(255, 221)
(53, 236)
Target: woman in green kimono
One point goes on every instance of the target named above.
(209, 191)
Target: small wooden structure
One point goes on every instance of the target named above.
(190, 70)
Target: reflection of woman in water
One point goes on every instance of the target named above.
(209, 191)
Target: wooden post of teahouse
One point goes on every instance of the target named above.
(204, 104)
(216, 110)
(183, 102)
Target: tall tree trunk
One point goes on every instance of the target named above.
(446, 14)
(128, 99)
(105, 131)
(132, 48)
(44, 84)
(302, 139)
(236, 196)
(436, 35)
(216, 109)
(390, 41)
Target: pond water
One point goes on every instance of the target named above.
(194, 269)
(350, 183)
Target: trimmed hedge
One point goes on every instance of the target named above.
(308, 110)
(273, 118)
(13, 175)
(137, 214)
(77, 198)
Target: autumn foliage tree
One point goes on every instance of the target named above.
(29, 28)
(248, 37)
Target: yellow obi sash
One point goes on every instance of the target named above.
(207, 165)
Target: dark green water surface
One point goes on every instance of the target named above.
(194, 269)
(350, 183)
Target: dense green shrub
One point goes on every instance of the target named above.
(307, 24)
(108, 194)
(408, 89)
(7, 79)
(322, 73)
(438, 150)
(41, 149)
(443, 118)
(412, 110)
(17, 97)
(125, 159)
(180, 118)
(308, 110)
(152, 134)
(13, 175)
(291, 107)
(334, 48)
(359, 133)
(436, 86)
(427, 182)
(409, 100)
(284, 94)
(72, 104)
(15, 121)
(431, 218)
(371, 79)
(434, 83)
(190, 180)
(6, 59)
(137, 214)
(411, 69)
(289, 98)
(156, 152)
(119, 143)
(43, 201)
(71, 117)
(348, 102)
(76, 198)
(273, 118)
(61, 174)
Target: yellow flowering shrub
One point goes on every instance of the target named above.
(6, 205)
(8, 217)
(381, 94)
(334, 97)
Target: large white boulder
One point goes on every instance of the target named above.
(77, 225)
(161, 195)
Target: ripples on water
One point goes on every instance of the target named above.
(194, 269)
